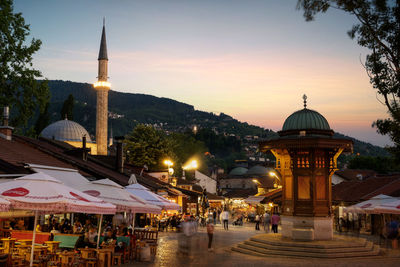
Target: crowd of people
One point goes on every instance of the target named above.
(88, 231)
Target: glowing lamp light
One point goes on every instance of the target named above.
(192, 165)
(102, 84)
(271, 204)
(255, 181)
(168, 162)
(273, 174)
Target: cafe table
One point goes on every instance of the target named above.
(66, 258)
(104, 256)
(87, 253)
(25, 242)
(52, 246)
(8, 244)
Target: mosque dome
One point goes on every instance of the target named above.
(65, 130)
(238, 171)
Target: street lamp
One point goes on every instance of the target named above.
(273, 174)
(169, 163)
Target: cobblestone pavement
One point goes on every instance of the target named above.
(168, 254)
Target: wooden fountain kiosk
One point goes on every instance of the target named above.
(306, 158)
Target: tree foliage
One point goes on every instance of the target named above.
(378, 29)
(43, 120)
(187, 148)
(19, 87)
(147, 146)
(381, 165)
(67, 110)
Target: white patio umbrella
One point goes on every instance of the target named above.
(43, 193)
(369, 205)
(116, 194)
(392, 207)
(143, 192)
(4, 204)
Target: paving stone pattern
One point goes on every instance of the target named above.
(168, 254)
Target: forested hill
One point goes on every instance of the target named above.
(140, 108)
(127, 109)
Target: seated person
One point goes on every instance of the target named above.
(77, 228)
(91, 237)
(109, 238)
(20, 225)
(124, 231)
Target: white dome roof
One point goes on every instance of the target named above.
(65, 130)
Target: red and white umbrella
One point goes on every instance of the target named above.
(114, 193)
(369, 206)
(390, 207)
(144, 193)
(4, 204)
(42, 193)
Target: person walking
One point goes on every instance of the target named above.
(225, 218)
(210, 233)
(266, 222)
(257, 220)
(275, 220)
(215, 216)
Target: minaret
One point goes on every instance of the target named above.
(102, 87)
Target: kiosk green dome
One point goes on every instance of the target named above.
(305, 119)
(305, 122)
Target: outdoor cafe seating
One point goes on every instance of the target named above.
(63, 249)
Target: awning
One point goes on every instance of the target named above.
(69, 177)
(254, 200)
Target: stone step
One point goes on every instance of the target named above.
(368, 246)
(374, 251)
(254, 253)
(337, 243)
(248, 252)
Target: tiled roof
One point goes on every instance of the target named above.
(17, 152)
(241, 193)
(275, 195)
(355, 174)
(21, 150)
(390, 189)
(214, 197)
(88, 167)
(356, 191)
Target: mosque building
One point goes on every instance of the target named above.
(72, 132)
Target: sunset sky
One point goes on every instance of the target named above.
(250, 59)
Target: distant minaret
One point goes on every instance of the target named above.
(102, 87)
